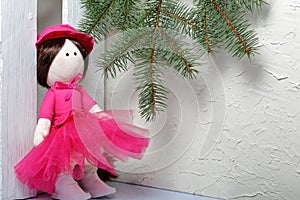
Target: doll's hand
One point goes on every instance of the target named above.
(41, 131)
(104, 115)
(97, 110)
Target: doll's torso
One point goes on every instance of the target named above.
(61, 100)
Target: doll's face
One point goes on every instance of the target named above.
(66, 65)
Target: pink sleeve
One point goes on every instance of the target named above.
(47, 106)
(88, 102)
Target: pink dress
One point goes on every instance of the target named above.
(77, 136)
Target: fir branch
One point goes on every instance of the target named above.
(206, 33)
(120, 51)
(179, 18)
(187, 71)
(100, 17)
(240, 39)
(146, 93)
(205, 28)
(251, 4)
(126, 9)
(97, 18)
(151, 109)
(152, 93)
(154, 36)
(158, 14)
(153, 102)
(129, 14)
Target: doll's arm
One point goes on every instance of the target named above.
(46, 111)
(41, 130)
(91, 105)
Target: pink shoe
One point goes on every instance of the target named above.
(66, 188)
(92, 184)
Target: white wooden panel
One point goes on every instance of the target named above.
(93, 81)
(71, 12)
(18, 90)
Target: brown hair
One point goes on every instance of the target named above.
(47, 52)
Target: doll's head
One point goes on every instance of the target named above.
(60, 60)
(61, 54)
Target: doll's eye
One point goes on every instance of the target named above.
(67, 54)
(75, 54)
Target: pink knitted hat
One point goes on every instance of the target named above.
(67, 31)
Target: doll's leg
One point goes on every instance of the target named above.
(92, 184)
(67, 188)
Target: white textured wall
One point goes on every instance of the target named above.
(234, 132)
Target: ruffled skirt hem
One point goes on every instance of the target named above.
(84, 137)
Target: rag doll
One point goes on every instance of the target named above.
(73, 136)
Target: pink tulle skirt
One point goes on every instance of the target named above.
(83, 137)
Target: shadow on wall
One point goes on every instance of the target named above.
(252, 70)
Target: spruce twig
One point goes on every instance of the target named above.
(100, 17)
(241, 41)
(153, 36)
